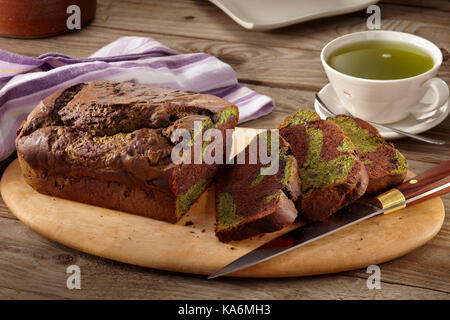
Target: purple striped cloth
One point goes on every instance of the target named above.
(24, 81)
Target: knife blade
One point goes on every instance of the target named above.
(434, 182)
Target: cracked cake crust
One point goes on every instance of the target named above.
(108, 144)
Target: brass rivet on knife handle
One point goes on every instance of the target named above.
(391, 198)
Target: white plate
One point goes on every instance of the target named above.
(409, 124)
(271, 14)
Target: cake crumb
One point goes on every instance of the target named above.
(232, 248)
(189, 223)
(203, 230)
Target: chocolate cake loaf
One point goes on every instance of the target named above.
(109, 144)
(385, 165)
(331, 173)
(249, 202)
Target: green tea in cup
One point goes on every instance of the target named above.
(380, 60)
(383, 76)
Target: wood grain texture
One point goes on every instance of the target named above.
(263, 61)
(436, 4)
(271, 62)
(33, 266)
(195, 249)
(199, 19)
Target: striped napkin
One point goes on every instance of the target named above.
(24, 81)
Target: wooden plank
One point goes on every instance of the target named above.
(4, 211)
(279, 67)
(201, 19)
(263, 57)
(268, 66)
(308, 81)
(274, 67)
(135, 17)
(247, 62)
(32, 266)
(258, 63)
(427, 266)
(435, 4)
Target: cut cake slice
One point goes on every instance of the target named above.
(332, 175)
(249, 202)
(385, 165)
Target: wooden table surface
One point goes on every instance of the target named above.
(283, 64)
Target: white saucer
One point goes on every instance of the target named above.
(409, 124)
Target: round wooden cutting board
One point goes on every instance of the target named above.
(191, 246)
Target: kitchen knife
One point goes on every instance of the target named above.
(431, 183)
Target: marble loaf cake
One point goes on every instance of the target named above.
(109, 144)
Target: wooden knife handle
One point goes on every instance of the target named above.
(438, 176)
(435, 177)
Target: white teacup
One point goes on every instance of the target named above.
(386, 101)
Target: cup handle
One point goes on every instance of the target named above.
(441, 94)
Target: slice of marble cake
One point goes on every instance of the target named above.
(385, 165)
(249, 202)
(332, 175)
